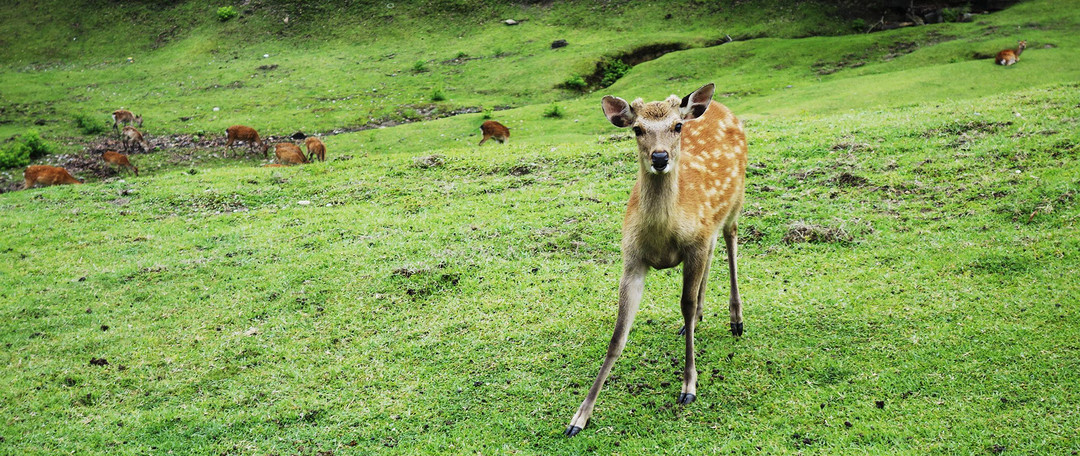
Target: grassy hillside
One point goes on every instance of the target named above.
(907, 241)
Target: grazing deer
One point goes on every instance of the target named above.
(289, 154)
(1009, 56)
(119, 159)
(692, 163)
(246, 134)
(315, 148)
(123, 117)
(131, 136)
(493, 129)
(45, 175)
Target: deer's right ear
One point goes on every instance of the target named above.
(618, 111)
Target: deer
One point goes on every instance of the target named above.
(493, 129)
(118, 159)
(123, 117)
(691, 154)
(315, 148)
(45, 175)
(1008, 56)
(131, 136)
(289, 154)
(246, 134)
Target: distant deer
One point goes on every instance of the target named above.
(692, 163)
(315, 148)
(289, 154)
(493, 129)
(119, 159)
(131, 136)
(45, 175)
(246, 134)
(123, 117)
(1009, 56)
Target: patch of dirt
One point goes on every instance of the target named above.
(849, 180)
(800, 232)
(429, 161)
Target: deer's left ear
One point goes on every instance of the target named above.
(695, 104)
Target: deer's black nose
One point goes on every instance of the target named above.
(660, 160)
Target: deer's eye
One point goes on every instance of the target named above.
(638, 131)
(678, 127)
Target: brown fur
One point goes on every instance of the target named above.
(123, 117)
(246, 134)
(273, 165)
(131, 136)
(689, 190)
(315, 148)
(493, 129)
(289, 154)
(1009, 56)
(44, 176)
(119, 159)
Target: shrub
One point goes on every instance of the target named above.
(858, 25)
(419, 67)
(954, 14)
(554, 111)
(226, 12)
(488, 113)
(612, 70)
(88, 125)
(438, 94)
(24, 149)
(575, 83)
(461, 55)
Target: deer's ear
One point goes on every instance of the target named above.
(695, 104)
(618, 111)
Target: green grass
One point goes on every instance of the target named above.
(380, 305)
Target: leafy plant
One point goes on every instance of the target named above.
(488, 113)
(26, 148)
(611, 70)
(575, 83)
(858, 25)
(554, 111)
(438, 94)
(419, 67)
(954, 14)
(88, 125)
(461, 55)
(226, 12)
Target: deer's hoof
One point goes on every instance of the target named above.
(571, 430)
(686, 398)
(682, 331)
(736, 329)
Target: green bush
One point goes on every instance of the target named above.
(554, 111)
(27, 147)
(488, 113)
(419, 67)
(954, 14)
(575, 83)
(226, 12)
(88, 125)
(438, 94)
(859, 25)
(612, 70)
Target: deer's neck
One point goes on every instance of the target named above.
(1019, 49)
(659, 194)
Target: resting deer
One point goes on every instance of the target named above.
(123, 117)
(45, 175)
(131, 136)
(246, 134)
(692, 163)
(289, 154)
(315, 148)
(1009, 56)
(493, 129)
(118, 159)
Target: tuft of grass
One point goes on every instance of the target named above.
(90, 125)
(554, 111)
(24, 149)
(226, 12)
(437, 94)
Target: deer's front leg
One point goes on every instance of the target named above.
(630, 289)
(695, 266)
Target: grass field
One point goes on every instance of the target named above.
(908, 259)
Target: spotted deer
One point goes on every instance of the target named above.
(246, 134)
(45, 175)
(1009, 56)
(315, 148)
(493, 129)
(691, 154)
(131, 136)
(118, 159)
(123, 117)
